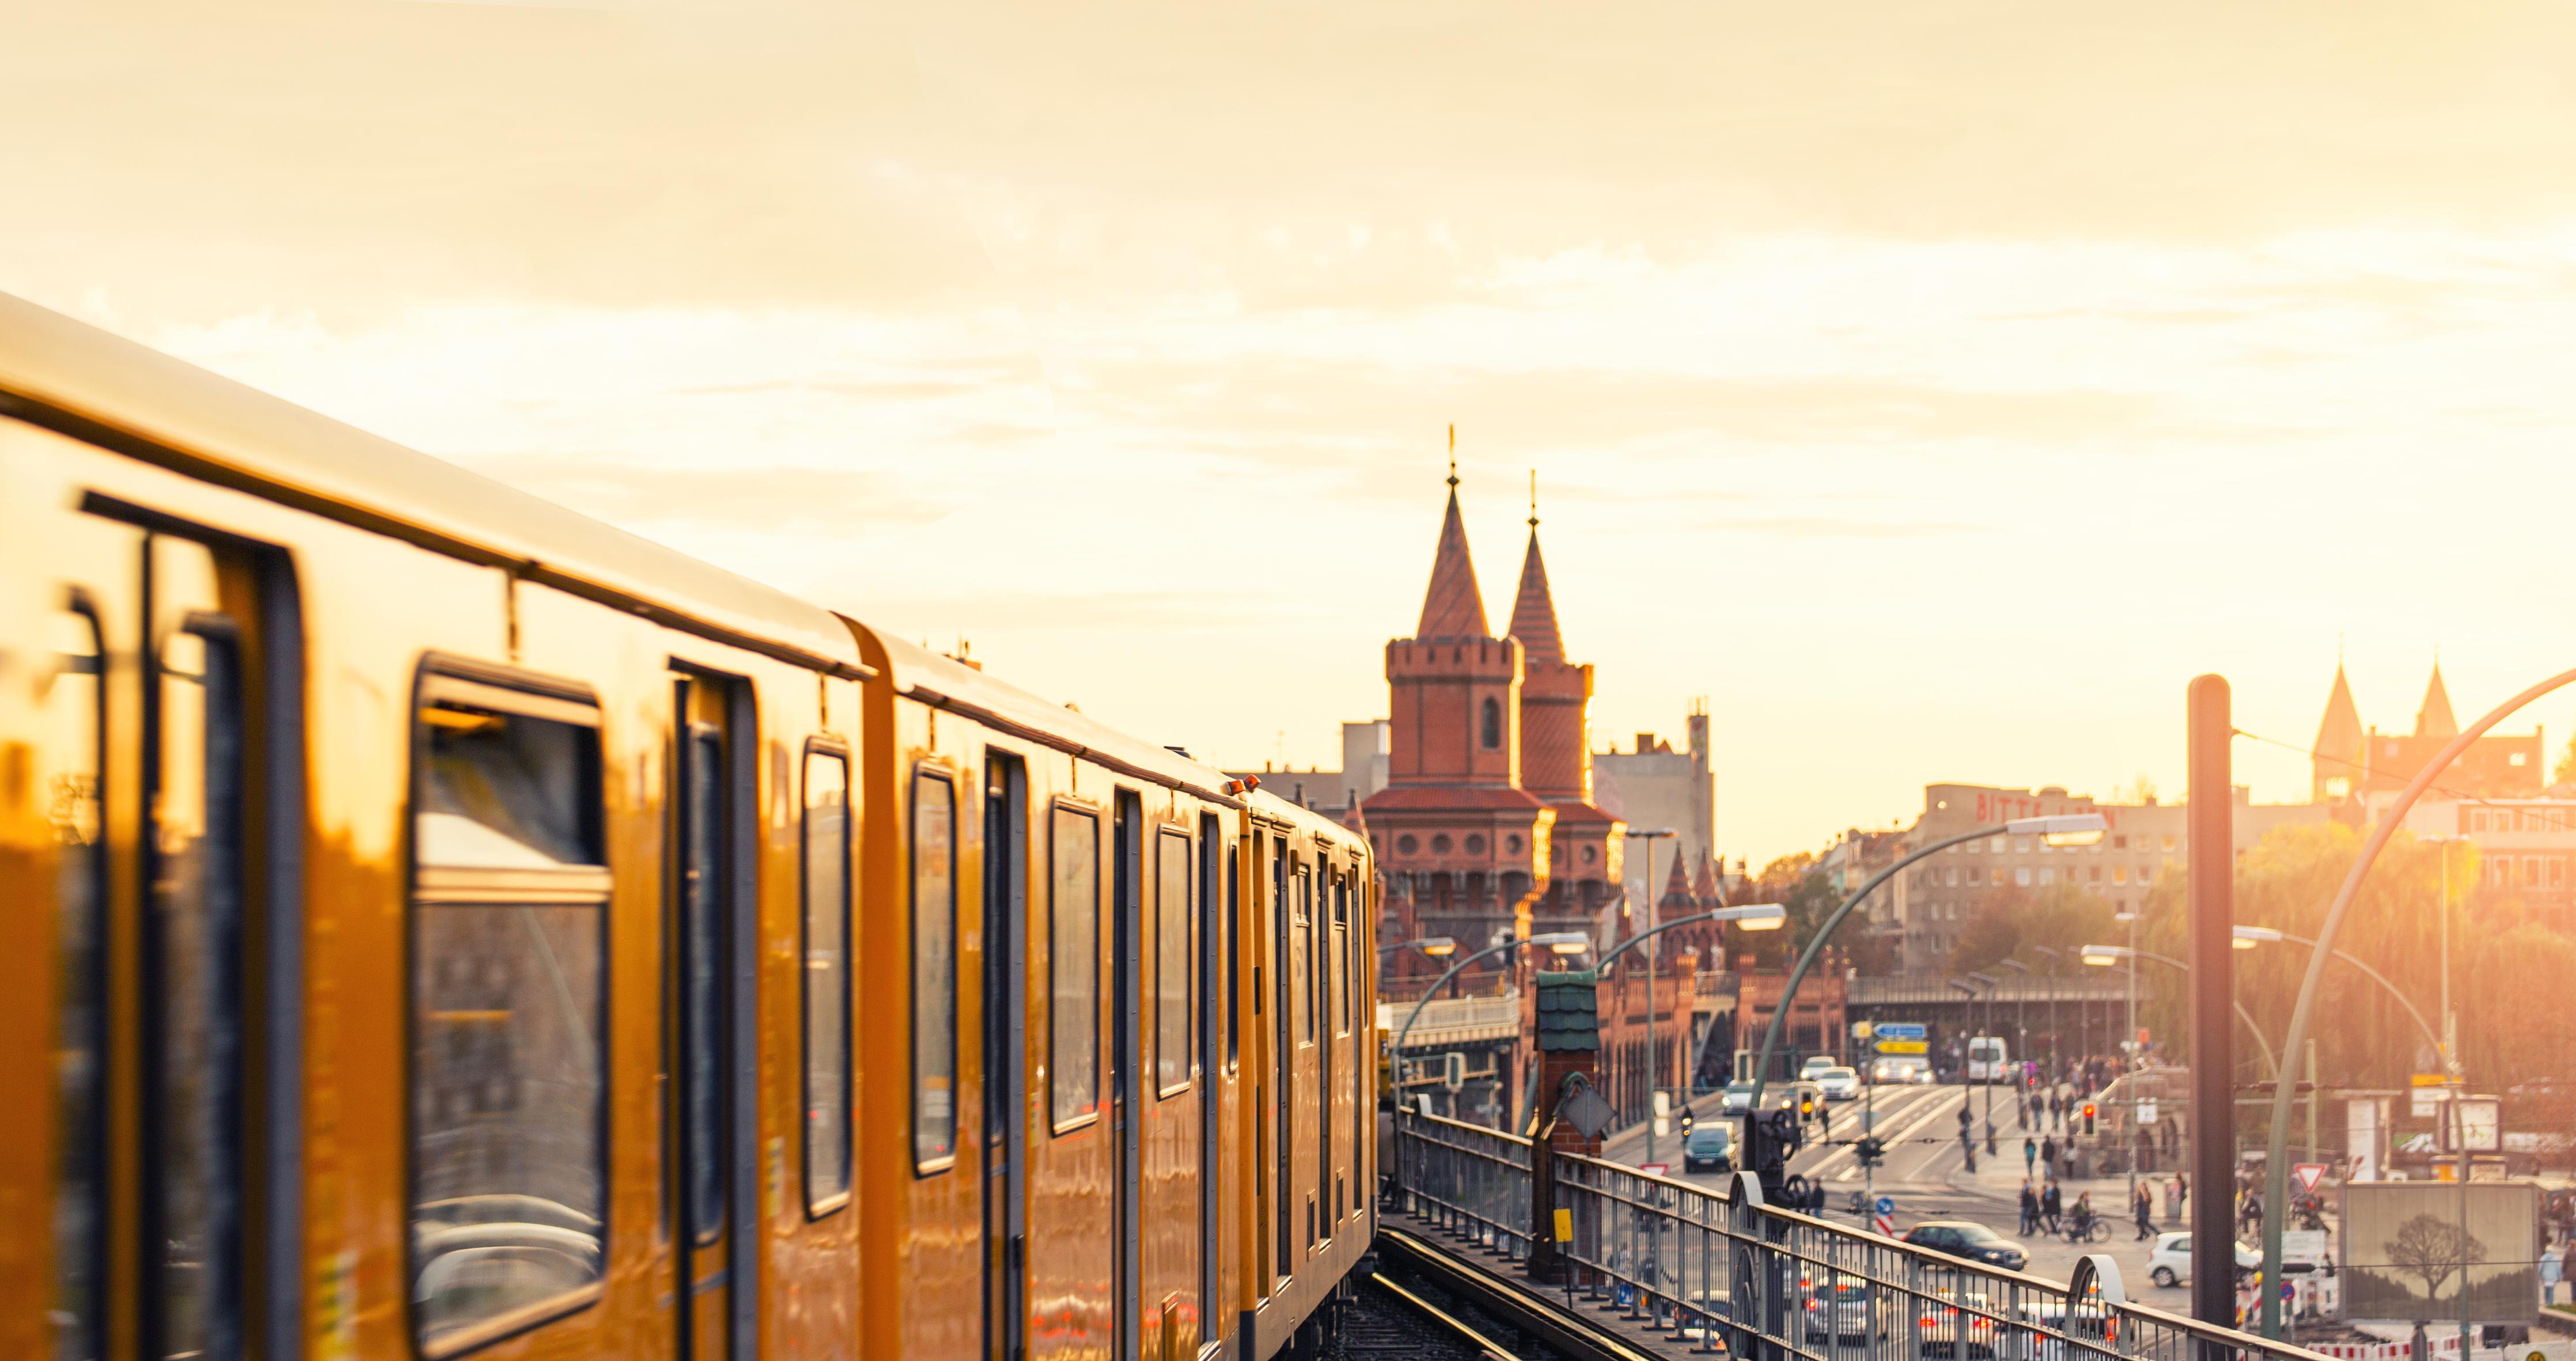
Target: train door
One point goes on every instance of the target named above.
(1283, 1062)
(713, 932)
(164, 763)
(1327, 1000)
(1216, 937)
(1127, 1112)
(1006, 1102)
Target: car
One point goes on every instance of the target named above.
(2169, 1265)
(1845, 1310)
(1816, 1063)
(1710, 1148)
(1912, 1072)
(1736, 1100)
(1969, 1241)
(1959, 1327)
(1838, 1084)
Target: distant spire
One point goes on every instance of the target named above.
(1534, 611)
(1704, 884)
(2435, 718)
(2339, 737)
(1453, 607)
(1677, 886)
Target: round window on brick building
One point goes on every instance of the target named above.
(1590, 854)
(1512, 843)
(1493, 725)
(1406, 845)
(1440, 843)
(1475, 845)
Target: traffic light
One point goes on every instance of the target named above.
(1871, 1149)
(2088, 1117)
(1806, 1106)
(1686, 1120)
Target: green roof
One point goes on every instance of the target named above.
(1569, 1011)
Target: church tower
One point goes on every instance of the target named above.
(1556, 747)
(1463, 846)
(2336, 762)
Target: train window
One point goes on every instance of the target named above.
(1342, 954)
(1073, 964)
(704, 870)
(827, 980)
(508, 995)
(1172, 938)
(195, 934)
(73, 804)
(1301, 954)
(934, 971)
(1220, 854)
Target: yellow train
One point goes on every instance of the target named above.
(439, 924)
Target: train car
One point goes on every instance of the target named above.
(445, 926)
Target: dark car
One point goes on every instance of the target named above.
(1968, 1241)
(1710, 1148)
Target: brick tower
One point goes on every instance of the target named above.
(1585, 845)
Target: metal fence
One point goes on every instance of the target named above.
(1717, 1269)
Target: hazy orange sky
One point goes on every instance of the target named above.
(1936, 389)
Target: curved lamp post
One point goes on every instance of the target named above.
(2276, 1175)
(2247, 937)
(1749, 917)
(2063, 829)
(2104, 956)
(1561, 942)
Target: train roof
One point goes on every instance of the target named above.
(59, 373)
(918, 673)
(1271, 805)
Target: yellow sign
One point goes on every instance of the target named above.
(1862, 1030)
(1565, 1226)
(1904, 1046)
(2432, 1080)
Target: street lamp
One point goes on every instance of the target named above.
(1437, 947)
(1654, 1071)
(2104, 956)
(1989, 982)
(2062, 829)
(1749, 917)
(2055, 958)
(2248, 937)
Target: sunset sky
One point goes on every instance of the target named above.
(1936, 389)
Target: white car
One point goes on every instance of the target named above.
(1914, 1071)
(1838, 1084)
(2170, 1264)
(1816, 1063)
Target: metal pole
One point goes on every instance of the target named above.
(2212, 861)
(1654, 1076)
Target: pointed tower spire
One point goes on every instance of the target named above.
(1534, 612)
(2435, 718)
(1452, 607)
(1704, 884)
(2337, 758)
(1677, 885)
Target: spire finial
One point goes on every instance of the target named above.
(1533, 498)
(1453, 456)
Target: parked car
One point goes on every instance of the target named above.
(1710, 1148)
(1839, 1084)
(1846, 1310)
(2169, 1265)
(1969, 1241)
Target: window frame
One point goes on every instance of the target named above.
(933, 770)
(96, 868)
(1164, 835)
(477, 684)
(1061, 806)
(832, 749)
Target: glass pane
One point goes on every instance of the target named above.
(195, 951)
(827, 977)
(702, 878)
(934, 969)
(508, 1103)
(1074, 962)
(72, 806)
(1172, 963)
(506, 1111)
(1300, 978)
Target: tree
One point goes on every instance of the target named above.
(2433, 1248)
(2014, 923)
(2566, 770)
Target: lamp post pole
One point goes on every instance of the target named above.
(1985, 1029)
(1654, 1071)
(1751, 916)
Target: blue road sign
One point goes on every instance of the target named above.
(1886, 1205)
(1899, 1030)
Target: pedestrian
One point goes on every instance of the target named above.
(2143, 1206)
(2553, 1265)
(2051, 1205)
(2253, 1216)
(2029, 1208)
(2048, 1153)
(2029, 1156)
(2181, 1196)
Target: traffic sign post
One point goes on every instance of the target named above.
(1883, 1215)
(2309, 1174)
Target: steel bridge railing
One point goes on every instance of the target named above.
(1716, 1268)
(1470, 1181)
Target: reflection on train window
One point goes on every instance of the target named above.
(1233, 959)
(704, 872)
(1342, 954)
(196, 926)
(508, 984)
(1301, 898)
(1171, 963)
(934, 971)
(827, 979)
(1073, 964)
(74, 698)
